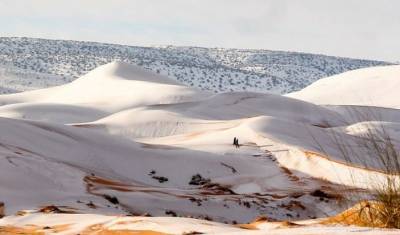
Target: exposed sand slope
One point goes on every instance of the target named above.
(97, 224)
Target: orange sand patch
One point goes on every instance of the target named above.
(56, 209)
(93, 230)
(98, 229)
(277, 196)
(33, 229)
(261, 220)
(363, 214)
(250, 226)
(104, 181)
(289, 173)
(128, 222)
(254, 224)
(288, 224)
(93, 181)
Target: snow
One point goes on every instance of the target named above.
(75, 224)
(377, 86)
(91, 96)
(29, 63)
(122, 131)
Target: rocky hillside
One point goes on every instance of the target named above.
(27, 63)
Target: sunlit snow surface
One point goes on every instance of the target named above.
(124, 141)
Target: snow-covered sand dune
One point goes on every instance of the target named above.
(108, 89)
(121, 140)
(375, 86)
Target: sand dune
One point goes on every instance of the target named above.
(121, 140)
(375, 86)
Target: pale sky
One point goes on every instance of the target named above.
(352, 28)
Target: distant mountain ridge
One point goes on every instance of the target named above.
(28, 63)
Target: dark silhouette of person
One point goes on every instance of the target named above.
(236, 142)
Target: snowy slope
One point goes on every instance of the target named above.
(123, 140)
(103, 91)
(100, 224)
(27, 64)
(87, 152)
(378, 86)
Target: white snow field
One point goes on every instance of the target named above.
(123, 141)
(375, 86)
